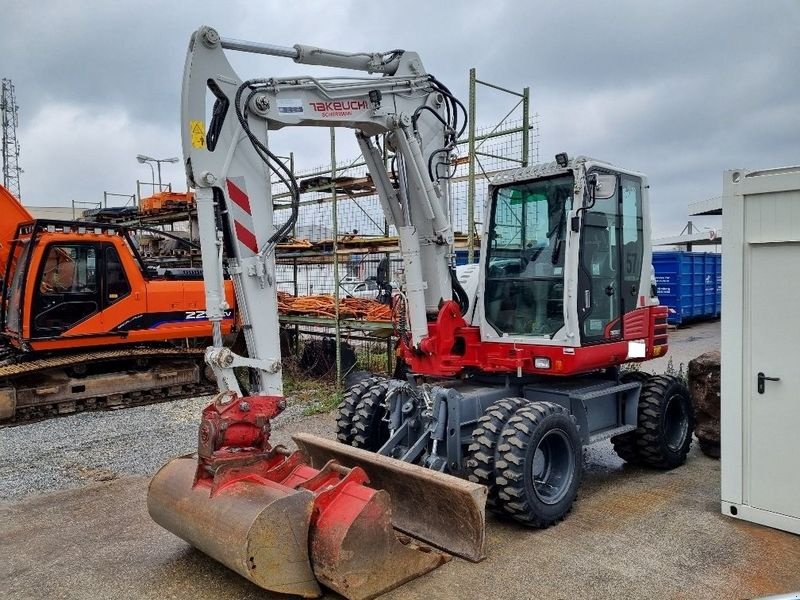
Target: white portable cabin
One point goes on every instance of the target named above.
(760, 392)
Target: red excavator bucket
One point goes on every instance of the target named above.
(285, 525)
(256, 527)
(354, 549)
(441, 510)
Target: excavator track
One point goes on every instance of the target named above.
(38, 388)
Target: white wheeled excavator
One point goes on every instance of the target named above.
(512, 363)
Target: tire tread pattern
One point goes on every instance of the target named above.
(511, 467)
(645, 445)
(347, 408)
(367, 429)
(482, 452)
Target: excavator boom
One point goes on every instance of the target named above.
(13, 214)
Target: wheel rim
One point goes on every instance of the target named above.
(553, 467)
(676, 423)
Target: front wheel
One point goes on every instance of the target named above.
(483, 451)
(370, 421)
(349, 405)
(540, 464)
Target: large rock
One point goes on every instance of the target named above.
(704, 386)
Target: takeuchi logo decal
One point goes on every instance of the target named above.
(338, 108)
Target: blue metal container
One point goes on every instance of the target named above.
(689, 283)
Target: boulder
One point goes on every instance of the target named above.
(704, 387)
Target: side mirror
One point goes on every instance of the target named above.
(605, 186)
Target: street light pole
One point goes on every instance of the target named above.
(152, 177)
(142, 158)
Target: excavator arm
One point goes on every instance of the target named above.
(284, 520)
(229, 162)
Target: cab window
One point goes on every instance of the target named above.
(68, 290)
(117, 286)
(525, 265)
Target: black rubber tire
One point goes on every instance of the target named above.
(482, 452)
(638, 376)
(347, 408)
(710, 449)
(625, 444)
(665, 424)
(318, 358)
(517, 496)
(370, 431)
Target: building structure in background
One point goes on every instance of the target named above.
(692, 235)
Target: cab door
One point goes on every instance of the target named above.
(79, 286)
(68, 289)
(610, 259)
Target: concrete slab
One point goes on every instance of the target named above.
(633, 533)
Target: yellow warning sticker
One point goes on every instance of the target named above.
(197, 129)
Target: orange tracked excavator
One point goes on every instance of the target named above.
(84, 322)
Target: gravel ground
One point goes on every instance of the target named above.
(634, 533)
(69, 452)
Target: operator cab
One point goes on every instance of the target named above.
(76, 281)
(564, 253)
(74, 277)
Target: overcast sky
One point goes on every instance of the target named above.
(680, 90)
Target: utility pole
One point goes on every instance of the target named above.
(10, 143)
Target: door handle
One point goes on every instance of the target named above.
(761, 378)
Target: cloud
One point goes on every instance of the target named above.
(82, 152)
(680, 90)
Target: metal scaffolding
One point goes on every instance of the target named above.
(475, 144)
(341, 236)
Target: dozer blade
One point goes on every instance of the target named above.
(258, 528)
(441, 510)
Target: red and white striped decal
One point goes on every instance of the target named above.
(239, 197)
(246, 237)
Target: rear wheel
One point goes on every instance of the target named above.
(482, 452)
(666, 419)
(539, 465)
(370, 427)
(349, 405)
(638, 376)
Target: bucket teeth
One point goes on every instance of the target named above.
(441, 510)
